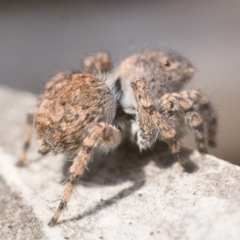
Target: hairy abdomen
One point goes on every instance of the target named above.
(65, 114)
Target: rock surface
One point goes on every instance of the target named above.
(122, 195)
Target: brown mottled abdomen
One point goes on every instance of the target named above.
(66, 113)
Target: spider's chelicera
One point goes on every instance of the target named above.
(140, 101)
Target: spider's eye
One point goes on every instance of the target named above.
(167, 63)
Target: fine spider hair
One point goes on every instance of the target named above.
(149, 91)
(141, 102)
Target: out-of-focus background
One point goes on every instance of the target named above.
(40, 38)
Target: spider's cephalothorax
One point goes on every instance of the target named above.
(78, 111)
(154, 79)
(164, 72)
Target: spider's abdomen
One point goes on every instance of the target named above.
(69, 109)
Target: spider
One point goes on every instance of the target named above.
(141, 101)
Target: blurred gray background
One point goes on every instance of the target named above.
(40, 38)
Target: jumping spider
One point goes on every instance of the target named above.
(142, 102)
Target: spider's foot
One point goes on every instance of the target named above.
(201, 146)
(43, 152)
(190, 167)
(203, 150)
(52, 222)
(212, 143)
(20, 163)
(186, 164)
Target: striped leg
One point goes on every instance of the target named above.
(175, 103)
(102, 132)
(202, 104)
(144, 104)
(27, 137)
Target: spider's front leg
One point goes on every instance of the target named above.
(202, 104)
(100, 133)
(147, 114)
(174, 103)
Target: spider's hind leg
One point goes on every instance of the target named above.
(100, 133)
(27, 137)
